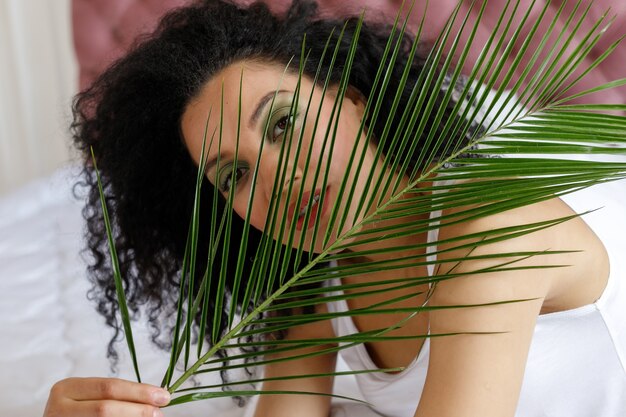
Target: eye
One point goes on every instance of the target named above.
(281, 127)
(229, 175)
(280, 123)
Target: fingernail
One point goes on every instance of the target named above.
(161, 397)
(157, 413)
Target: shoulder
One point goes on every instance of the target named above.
(523, 252)
(487, 303)
(491, 303)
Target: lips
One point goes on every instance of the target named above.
(301, 214)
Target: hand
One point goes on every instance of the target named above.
(105, 397)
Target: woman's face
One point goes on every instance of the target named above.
(258, 83)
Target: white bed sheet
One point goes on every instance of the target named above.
(49, 330)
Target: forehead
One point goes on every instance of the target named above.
(249, 79)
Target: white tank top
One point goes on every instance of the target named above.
(577, 360)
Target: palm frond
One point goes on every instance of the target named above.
(518, 135)
(117, 276)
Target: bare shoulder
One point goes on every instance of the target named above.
(576, 276)
(491, 305)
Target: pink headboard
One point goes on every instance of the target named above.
(104, 29)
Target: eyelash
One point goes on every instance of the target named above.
(225, 179)
(287, 120)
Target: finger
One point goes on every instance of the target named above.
(81, 389)
(112, 408)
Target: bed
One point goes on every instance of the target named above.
(49, 328)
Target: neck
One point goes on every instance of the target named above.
(378, 234)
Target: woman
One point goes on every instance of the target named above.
(146, 119)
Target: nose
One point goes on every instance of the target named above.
(272, 167)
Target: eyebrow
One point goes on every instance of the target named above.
(262, 103)
(210, 165)
(253, 120)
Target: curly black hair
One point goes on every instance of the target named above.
(131, 118)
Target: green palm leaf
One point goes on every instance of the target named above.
(526, 118)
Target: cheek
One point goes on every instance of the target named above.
(344, 147)
(322, 154)
(240, 210)
(258, 213)
(341, 161)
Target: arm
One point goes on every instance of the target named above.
(471, 375)
(300, 405)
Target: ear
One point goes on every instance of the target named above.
(357, 98)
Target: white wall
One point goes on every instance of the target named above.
(38, 76)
